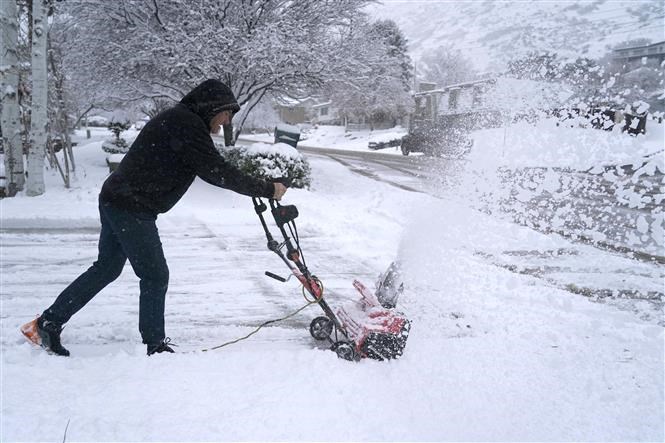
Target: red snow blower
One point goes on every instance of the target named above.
(367, 328)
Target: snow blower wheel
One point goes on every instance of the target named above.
(344, 350)
(321, 328)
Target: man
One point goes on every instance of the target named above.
(169, 152)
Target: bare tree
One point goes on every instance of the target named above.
(9, 87)
(136, 51)
(39, 117)
(59, 139)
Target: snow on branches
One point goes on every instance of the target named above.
(136, 50)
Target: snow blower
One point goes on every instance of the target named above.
(367, 328)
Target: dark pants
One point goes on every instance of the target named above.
(125, 235)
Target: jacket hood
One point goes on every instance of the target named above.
(209, 99)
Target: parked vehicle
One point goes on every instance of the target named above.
(442, 136)
(445, 117)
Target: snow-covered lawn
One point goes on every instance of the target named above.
(336, 137)
(493, 355)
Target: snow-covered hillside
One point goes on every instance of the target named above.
(490, 32)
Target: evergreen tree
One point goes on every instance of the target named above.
(396, 48)
(378, 90)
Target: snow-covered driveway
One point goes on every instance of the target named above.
(493, 354)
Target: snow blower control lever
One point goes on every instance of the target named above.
(366, 329)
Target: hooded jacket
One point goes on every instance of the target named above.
(172, 149)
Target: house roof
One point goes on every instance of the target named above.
(292, 102)
(320, 105)
(643, 47)
(456, 86)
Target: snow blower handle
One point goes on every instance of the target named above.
(284, 216)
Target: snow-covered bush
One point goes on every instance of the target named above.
(115, 146)
(118, 145)
(270, 162)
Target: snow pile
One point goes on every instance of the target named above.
(573, 181)
(514, 96)
(548, 145)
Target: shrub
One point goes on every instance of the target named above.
(269, 162)
(119, 127)
(119, 145)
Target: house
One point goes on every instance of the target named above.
(293, 111)
(322, 111)
(325, 114)
(454, 99)
(312, 110)
(444, 116)
(633, 56)
(489, 98)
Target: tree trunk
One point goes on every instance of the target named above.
(9, 80)
(229, 140)
(252, 103)
(60, 111)
(39, 117)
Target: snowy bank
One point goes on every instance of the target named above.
(548, 145)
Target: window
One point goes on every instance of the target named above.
(323, 111)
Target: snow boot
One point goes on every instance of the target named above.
(46, 334)
(162, 346)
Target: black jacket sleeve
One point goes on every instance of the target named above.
(200, 154)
